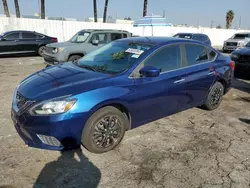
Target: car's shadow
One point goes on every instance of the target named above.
(241, 81)
(19, 55)
(67, 171)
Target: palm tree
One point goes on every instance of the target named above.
(95, 10)
(105, 10)
(145, 7)
(229, 18)
(17, 8)
(6, 9)
(42, 9)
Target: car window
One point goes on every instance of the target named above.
(80, 37)
(240, 36)
(12, 36)
(183, 35)
(124, 35)
(116, 36)
(198, 54)
(166, 59)
(27, 35)
(39, 36)
(203, 38)
(101, 37)
(197, 37)
(248, 44)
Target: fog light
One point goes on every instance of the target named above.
(49, 140)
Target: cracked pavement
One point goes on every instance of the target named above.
(191, 149)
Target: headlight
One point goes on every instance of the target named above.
(234, 56)
(55, 50)
(241, 44)
(54, 106)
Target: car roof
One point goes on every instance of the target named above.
(242, 33)
(22, 31)
(157, 40)
(190, 34)
(105, 30)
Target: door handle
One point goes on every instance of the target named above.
(179, 81)
(211, 73)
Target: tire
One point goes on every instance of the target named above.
(96, 126)
(214, 97)
(74, 57)
(40, 50)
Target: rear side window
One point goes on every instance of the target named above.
(12, 36)
(198, 54)
(124, 35)
(101, 37)
(166, 59)
(116, 36)
(197, 37)
(26, 35)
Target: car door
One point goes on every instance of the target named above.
(163, 95)
(200, 72)
(9, 43)
(29, 42)
(102, 39)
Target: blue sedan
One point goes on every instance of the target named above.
(122, 85)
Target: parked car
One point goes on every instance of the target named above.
(80, 44)
(13, 42)
(124, 84)
(194, 36)
(236, 41)
(241, 56)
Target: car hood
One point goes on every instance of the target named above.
(60, 80)
(242, 51)
(61, 44)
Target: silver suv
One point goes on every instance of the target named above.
(236, 41)
(80, 44)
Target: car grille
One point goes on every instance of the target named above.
(20, 100)
(232, 43)
(49, 50)
(245, 58)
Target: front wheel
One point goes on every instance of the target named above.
(104, 130)
(214, 97)
(74, 57)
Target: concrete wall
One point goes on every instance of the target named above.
(64, 30)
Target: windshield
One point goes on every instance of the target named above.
(248, 45)
(80, 37)
(185, 36)
(240, 36)
(114, 57)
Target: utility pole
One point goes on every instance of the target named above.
(212, 23)
(39, 8)
(240, 22)
(6, 9)
(164, 13)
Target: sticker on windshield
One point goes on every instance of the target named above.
(134, 51)
(135, 56)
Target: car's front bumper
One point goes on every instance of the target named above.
(229, 48)
(57, 132)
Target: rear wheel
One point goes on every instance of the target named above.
(74, 57)
(40, 50)
(104, 130)
(214, 97)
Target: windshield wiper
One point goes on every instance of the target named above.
(87, 67)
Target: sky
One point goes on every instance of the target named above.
(192, 12)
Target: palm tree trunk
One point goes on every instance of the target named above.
(105, 11)
(17, 9)
(95, 10)
(145, 7)
(6, 9)
(42, 9)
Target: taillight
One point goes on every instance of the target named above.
(54, 40)
(232, 65)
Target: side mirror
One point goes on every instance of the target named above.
(149, 71)
(95, 42)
